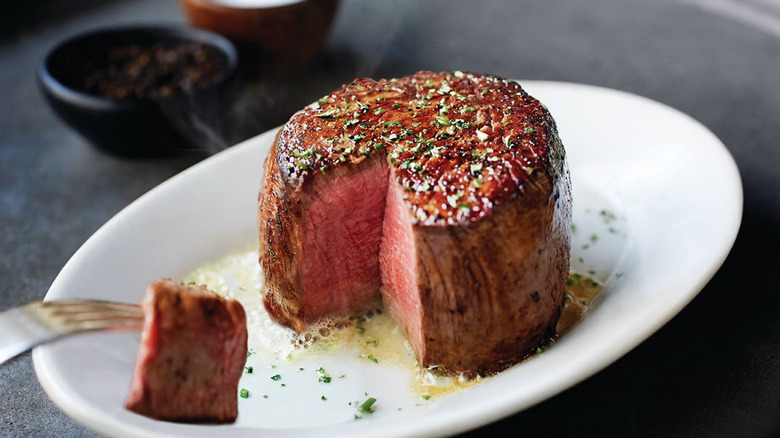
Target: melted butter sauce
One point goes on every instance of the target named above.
(581, 290)
(374, 337)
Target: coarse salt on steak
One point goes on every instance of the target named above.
(448, 192)
(192, 354)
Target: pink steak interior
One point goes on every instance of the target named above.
(398, 267)
(341, 237)
(357, 239)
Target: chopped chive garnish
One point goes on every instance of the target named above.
(426, 397)
(324, 377)
(244, 393)
(249, 370)
(372, 358)
(366, 407)
(307, 153)
(323, 398)
(276, 377)
(333, 112)
(442, 121)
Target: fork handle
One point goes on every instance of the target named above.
(19, 333)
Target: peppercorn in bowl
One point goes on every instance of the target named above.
(142, 91)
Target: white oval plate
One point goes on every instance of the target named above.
(671, 185)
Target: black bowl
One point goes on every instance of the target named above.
(139, 126)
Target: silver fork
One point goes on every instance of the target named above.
(25, 327)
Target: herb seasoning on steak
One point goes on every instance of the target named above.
(449, 192)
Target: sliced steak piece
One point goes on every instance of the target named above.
(192, 354)
(471, 188)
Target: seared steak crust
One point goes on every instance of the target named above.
(483, 174)
(279, 219)
(460, 143)
(498, 290)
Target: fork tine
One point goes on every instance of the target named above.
(101, 313)
(72, 306)
(122, 325)
(92, 315)
(105, 321)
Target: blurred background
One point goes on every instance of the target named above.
(712, 371)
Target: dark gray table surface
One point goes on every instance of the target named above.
(714, 370)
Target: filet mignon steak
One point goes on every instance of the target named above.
(192, 354)
(448, 192)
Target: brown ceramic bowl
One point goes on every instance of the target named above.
(286, 32)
